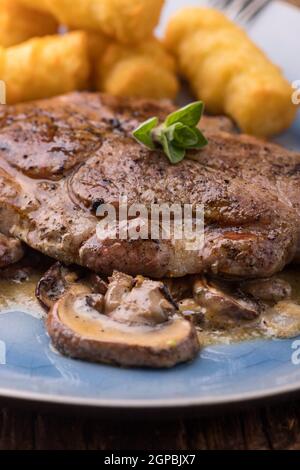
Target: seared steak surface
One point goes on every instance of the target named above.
(60, 158)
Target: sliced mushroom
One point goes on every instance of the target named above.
(96, 301)
(55, 282)
(143, 328)
(98, 284)
(191, 310)
(59, 279)
(180, 288)
(223, 303)
(140, 301)
(269, 290)
(120, 285)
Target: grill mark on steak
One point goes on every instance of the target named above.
(62, 154)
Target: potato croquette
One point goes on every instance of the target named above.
(229, 72)
(40, 5)
(146, 71)
(128, 21)
(19, 23)
(45, 67)
(97, 45)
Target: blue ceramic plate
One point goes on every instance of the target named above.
(31, 370)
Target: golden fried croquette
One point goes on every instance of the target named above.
(40, 5)
(97, 45)
(229, 72)
(190, 20)
(127, 21)
(45, 67)
(19, 23)
(144, 71)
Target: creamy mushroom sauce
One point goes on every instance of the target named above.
(281, 321)
(17, 293)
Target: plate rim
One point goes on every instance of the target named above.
(200, 402)
(146, 404)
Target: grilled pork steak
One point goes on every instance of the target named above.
(269, 166)
(60, 158)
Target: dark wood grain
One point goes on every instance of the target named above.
(276, 427)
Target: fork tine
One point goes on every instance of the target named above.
(251, 10)
(236, 7)
(219, 4)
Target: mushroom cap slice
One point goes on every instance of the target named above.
(224, 304)
(270, 290)
(191, 310)
(79, 331)
(55, 282)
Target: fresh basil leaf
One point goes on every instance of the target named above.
(174, 153)
(143, 133)
(190, 115)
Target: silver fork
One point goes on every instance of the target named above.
(241, 11)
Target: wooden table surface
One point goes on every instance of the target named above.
(275, 427)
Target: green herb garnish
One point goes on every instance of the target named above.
(176, 135)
